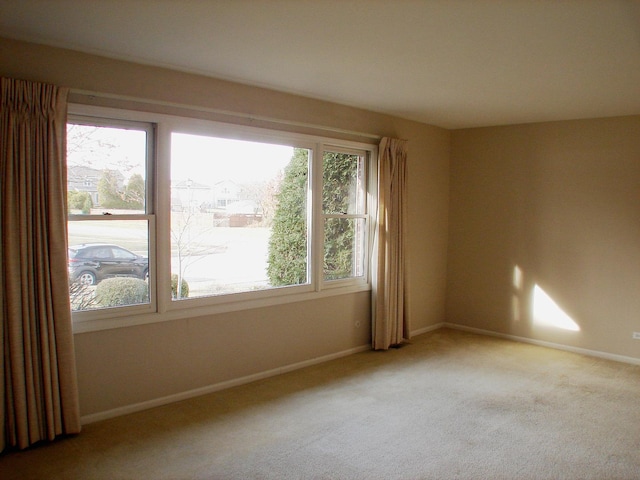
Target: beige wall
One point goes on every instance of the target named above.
(126, 366)
(561, 201)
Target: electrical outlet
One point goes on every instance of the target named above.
(636, 335)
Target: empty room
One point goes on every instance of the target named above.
(339, 239)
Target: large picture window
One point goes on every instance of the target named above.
(169, 214)
(238, 215)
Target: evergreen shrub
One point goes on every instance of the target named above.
(114, 292)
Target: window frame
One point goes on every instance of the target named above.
(148, 216)
(158, 211)
(369, 202)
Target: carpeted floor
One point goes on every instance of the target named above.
(451, 405)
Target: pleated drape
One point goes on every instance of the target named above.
(39, 386)
(390, 320)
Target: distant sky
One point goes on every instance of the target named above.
(205, 160)
(106, 148)
(208, 159)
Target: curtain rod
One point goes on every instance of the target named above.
(217, 111)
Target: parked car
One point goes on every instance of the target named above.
(92, 262)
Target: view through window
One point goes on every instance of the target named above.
(238, 215)
(344, 213)
(108, 228)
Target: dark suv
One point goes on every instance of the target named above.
(92, 262)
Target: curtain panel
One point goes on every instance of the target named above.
(390, 325)
(39, 386)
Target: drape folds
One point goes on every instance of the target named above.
(39, 395)
(390, 321)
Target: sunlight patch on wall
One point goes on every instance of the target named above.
(546, 312)
(518, 284)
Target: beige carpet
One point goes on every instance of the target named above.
(450, 405)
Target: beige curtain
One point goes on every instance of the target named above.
(39, 387)
(390, 322)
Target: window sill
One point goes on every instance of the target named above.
(130, 319)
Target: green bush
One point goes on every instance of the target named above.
(184, 291)
(87, 205)
(114, 292)
(79, 201)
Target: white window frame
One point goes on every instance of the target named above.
(148, 216)
(163, 308)
(370, 201)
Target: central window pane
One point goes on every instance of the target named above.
(238, 216)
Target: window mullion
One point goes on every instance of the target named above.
(317, 245)
(344, 215)
(163, 227)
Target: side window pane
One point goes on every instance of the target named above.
(108, 230)
(344, 209)
(93, 267)
(343, 244)
(238, 216)
(343, 183)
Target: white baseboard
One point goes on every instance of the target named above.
(430, 328)
(558, 346)
(127, 409)
(137, 407)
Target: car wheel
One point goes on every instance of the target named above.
(87, 278)
(145, 275)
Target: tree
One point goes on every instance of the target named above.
(339, 172)
(134, 192)
(189, 242)
(112, 195)
(287, 261)
(268, 202)
(84, 143)
(108, 190)
(191, 235)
